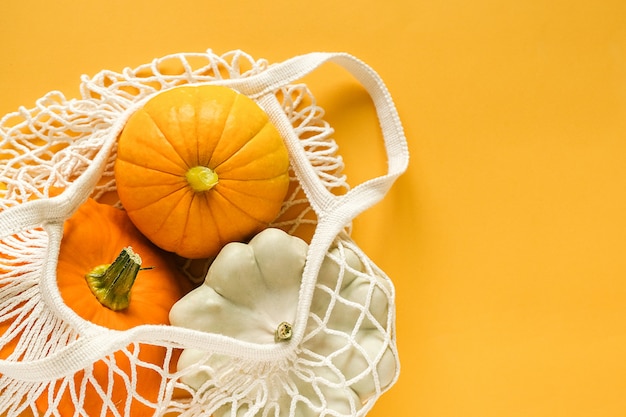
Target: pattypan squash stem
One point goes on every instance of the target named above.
(284, 331)
(111, 283)
(201, 178)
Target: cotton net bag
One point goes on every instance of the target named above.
(342, 354)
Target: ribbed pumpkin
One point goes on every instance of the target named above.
(92, 239)
(200, 166)
(93, 283)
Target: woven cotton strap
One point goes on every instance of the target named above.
(334, 211)
(364, 195)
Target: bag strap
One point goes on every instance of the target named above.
(334, 212)
(262, 86)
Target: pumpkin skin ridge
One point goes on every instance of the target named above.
(240, 181)
(132, 213)
(163, 140)
(197, 98)
(278, 148)
(225, 174)
(225, 237)
(198, 116)
(208, 212)
(216, 164)
(181, 239)
(259, 196)
(151, 168)
(245, 212)
(166, 217)
(268, 198)
(168, 141)
(183, 189)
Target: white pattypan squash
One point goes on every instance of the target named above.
(251, 294)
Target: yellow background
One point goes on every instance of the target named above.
(506, 238)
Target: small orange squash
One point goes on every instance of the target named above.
(93, 238)
(200, 166)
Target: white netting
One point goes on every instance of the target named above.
(342, 356)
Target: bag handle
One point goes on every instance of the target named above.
(334, 212)
(262, 87)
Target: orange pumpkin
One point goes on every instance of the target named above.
(200, 166)
(93, 238)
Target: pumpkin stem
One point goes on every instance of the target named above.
(111, 283)
(201, 178)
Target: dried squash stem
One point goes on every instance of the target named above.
(111, 283)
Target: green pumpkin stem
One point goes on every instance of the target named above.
(111, 283)
(201, 178)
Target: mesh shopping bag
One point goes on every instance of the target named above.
(341, 354)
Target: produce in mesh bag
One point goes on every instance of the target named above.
(99, 277)
(332, 352)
